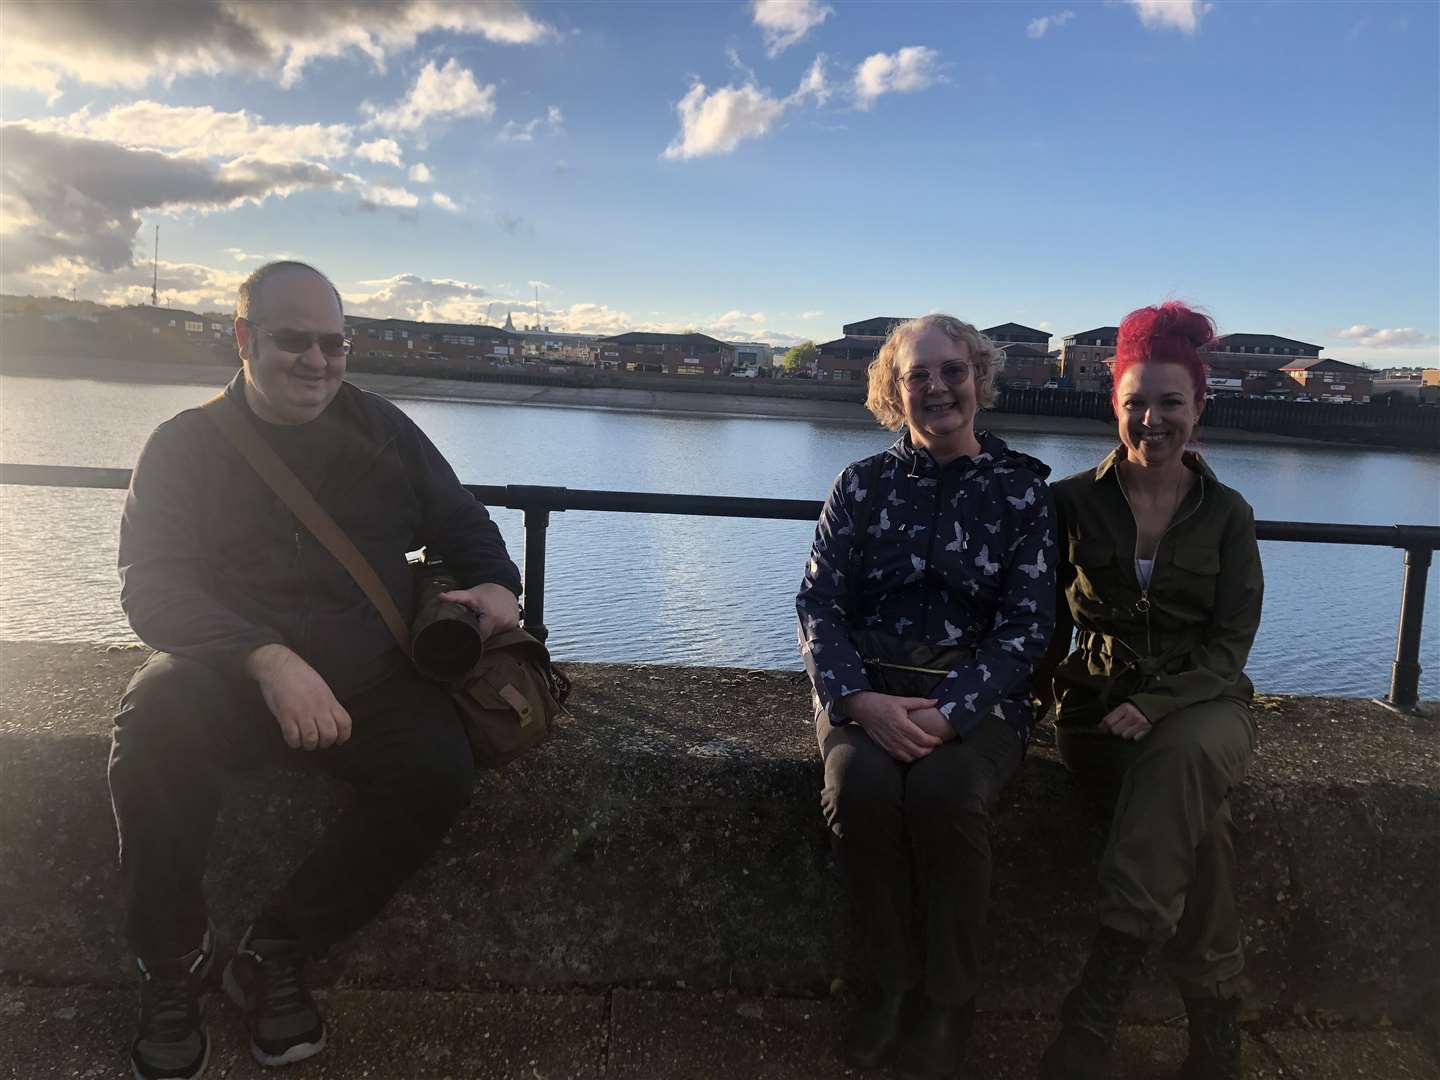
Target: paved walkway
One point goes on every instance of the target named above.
(628, 1034)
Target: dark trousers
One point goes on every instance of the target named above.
(1168, 872)
(183, 726)
(913, 841)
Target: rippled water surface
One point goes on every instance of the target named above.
(630, 587)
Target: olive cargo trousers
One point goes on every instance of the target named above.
(1168, 871)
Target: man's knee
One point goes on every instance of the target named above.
(169, 700)
(437, 778)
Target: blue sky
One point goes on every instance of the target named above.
(758, 171)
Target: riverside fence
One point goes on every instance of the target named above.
(537, 503)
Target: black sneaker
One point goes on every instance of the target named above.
(267, 980)
(173, 1042)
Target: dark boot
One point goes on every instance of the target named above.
(935, 1049)
(1214, 1040)
(1091, 1011)
(875, 1029)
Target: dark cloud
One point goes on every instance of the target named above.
(77, 198)
(147, 32)
(128, 42)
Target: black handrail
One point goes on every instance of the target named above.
(539, 502)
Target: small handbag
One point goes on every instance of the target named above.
(906, 667)
(508, 701)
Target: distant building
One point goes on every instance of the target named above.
(178, 323)
(879, 326)
(1023, 365)
(846, 358)
(1258, 352)
(1330, 380)
(1014, 334)
(1083, 358)
(407, 343)
(669, 354)
(1025, 354)
(751, 355)
(553, 346)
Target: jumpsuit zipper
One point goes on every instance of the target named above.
(1143, 604)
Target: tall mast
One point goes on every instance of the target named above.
(155, 280)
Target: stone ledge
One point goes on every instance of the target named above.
(670, 837)
(628, 1035)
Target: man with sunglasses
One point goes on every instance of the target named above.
(267, 652)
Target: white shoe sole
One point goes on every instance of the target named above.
(298, 1052)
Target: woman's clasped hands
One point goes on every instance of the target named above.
(906, 728)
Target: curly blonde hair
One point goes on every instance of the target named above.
(883, 395)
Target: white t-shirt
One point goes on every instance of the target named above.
(1143, 569)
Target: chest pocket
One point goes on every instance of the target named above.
(1197, 568)
(1097, 572)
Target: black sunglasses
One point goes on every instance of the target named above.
(298, 341)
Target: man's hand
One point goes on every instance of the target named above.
(495, 604)
(301, 701)
(1126, 721)
(888, 720)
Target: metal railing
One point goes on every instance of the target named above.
(537, 503)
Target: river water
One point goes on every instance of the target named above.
(699, 591)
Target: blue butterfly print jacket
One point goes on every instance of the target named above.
(960, 554)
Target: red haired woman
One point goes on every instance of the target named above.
(1161, 573)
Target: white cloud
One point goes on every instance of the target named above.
(181, 285)
(1394, 338)
(70, 197)
(241, 255)
(1183, 15)
(381, 151)
(444, 202)
(786, 22)
(411, 296)
(536, 284)
(1038, 28)
(912, 68)
(205, 131)
(813, 84)
(128, 43)
(439, 92)
(385, 195)
(552, 123)
(716, 123)
(420, 173)
(811, 314)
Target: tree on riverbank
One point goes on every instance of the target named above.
(801, 357)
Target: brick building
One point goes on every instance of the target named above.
(1258, 352)
(1083, 358)
(1330, 380)
(405, 343)
(846, 358)
(668, 354)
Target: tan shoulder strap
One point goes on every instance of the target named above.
(226, 416)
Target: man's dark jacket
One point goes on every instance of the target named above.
(213, 565)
